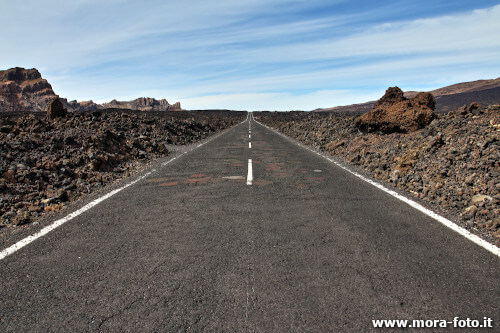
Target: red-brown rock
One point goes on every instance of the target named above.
(395, 113)
(24, 90)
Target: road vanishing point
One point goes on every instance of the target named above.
(247, 232)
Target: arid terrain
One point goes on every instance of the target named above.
(47, 163)
(452, 164)
(53, 152)
(201, 166)
(426, 144)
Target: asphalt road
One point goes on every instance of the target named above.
(307, 247)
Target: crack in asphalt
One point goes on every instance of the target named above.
(116, 314)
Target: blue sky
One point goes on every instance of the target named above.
(250, 54)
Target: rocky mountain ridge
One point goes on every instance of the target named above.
(449, 98)
(25, 90)
(460, 88)
(143, 104)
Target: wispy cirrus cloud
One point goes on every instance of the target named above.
(204, 52)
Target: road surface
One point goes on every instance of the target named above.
(205, 245)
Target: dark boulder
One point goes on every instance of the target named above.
(55, 109)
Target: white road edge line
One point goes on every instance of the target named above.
(250, 173)
(25, 241)
(464, 232)
(22, 243)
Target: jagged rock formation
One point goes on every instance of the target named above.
(395, 113)
(24, 90)
(81, 106)
(144, 104)
(176, 106)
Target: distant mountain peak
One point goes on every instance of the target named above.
(483, 92)
(144, 104)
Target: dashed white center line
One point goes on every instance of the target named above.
(250, 173)
(249, 136)
(249, 145)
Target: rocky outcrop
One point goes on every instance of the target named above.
(55, 109)
(176, 106)
(20, 75)
(24, 90)
(395, 113)
(144, 104)
(81, 106)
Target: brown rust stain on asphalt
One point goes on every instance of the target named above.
(159, 180)
(274, 166)
(301, 185)
(261, 182)
(281, 175)
(204, 180)
(235, 146)
(196, 181)
(197, 178)
(169, 184)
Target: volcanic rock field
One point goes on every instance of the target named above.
(46, 163)
(53, 152)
